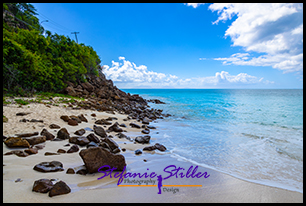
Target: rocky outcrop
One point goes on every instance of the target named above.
(102, 95)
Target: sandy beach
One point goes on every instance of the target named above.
(218, 187)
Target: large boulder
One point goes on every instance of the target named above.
(143, 139)
(63, 134)
(96, 157)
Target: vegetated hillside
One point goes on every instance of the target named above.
(33, 62)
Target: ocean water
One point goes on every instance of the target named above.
(252, 134)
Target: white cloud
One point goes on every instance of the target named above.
(275, 31)
(194, 5)
(129, 75)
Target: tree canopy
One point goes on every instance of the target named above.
(33, 62)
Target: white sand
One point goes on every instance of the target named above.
(218, 187)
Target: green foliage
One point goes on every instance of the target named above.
(33, 62)
(21, 101)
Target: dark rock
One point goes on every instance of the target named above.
(80, 132)
(151, 127)
(115, 128)
(145, 121)
(19, 153)
(53, 166)
(18, 180)
(24, 120)
(39, 146)
(73, 148)
(31, 151)
(61, 151)
(76, 118)
(82, 172)
(54, 126)
(92, 144)
(79, 140)
(123, 149)
(22, 113)
(111, 118)
(122, 125)
(27, 134)
(66, 145)
(95, 157)
(134, 125)
(70, 91)
(145, 131)
(36, 140)
(50, 153)
(36, 120)
(63, 134)
(112, 145)
(160, 147)
(99, 131)
(47, 134)
(138, 152)
(82, 118)
(92, 137)
(143, 139)
(156, 101)
(16, 142)
(65, 118)
(60, 188)
(121, 135)
(70, 171)
(42, 185)
(72, 122)
(103, 122)
(87, 86)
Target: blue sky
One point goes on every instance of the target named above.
(188, 45)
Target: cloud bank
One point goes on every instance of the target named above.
(274, 31)
(126, 74)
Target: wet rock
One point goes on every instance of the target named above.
(63, 134)
(18, 180)
(36, 140)
(145, 131)
(93, 138)
(95, 157)
(54, 126)
(112, 145)
(19, 153)
(143, 139)
(145, 121)
(60, 188)
(16, 142)
(70, 171)
(115, 128)
(82, 172)
(73, 148)
(80, 132)
(82, 118)
(99, 131)
(134, 125)
(92, 144)
(75, 118)
(151, 127)
(27, 134)
(24, 120)
(39, 146)
(72, 122)
(156, 101)
(47, 134)
(53, 166)
(122, 125)
(138, 152)
(160, 147)
(42, 185)
(79, 140)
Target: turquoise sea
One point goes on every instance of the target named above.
(252, 134)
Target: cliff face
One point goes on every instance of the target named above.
(102, 95)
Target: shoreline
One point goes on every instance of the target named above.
(218, 187)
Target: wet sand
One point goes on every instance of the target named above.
(218, 187)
